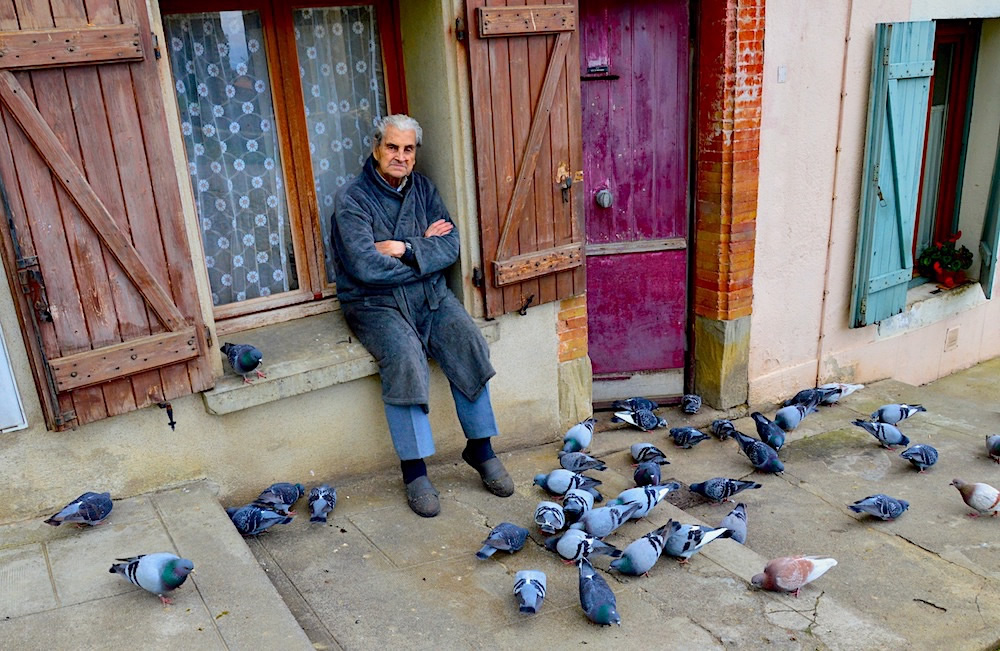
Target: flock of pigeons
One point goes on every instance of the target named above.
(577, 528)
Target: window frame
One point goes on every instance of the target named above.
(315, 293)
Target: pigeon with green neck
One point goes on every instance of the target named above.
(244, 359)
(159, 573)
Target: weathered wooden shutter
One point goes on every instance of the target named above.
(902, 66)
(991, 232)
(524, 61)
(95, 248)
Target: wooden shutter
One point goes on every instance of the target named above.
(95, 248)
(902, 67)
(524, 61)
(991, 232)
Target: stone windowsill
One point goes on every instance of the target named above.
(927, 304)
(303, 355)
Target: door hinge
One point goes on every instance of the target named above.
(460, 28)
(477, 277)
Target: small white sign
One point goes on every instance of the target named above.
(11, 411)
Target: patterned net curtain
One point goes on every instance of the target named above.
(227, 119)
(340, 65)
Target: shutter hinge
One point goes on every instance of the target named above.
(33, 285)
(885, 55)
(477, 277)
(875, 174)
(460, 28)
(64, 417)
(156, 46)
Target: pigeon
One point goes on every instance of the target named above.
(158, 573)
(647, 473)
(981, 497)
(579, 462)
(788, 418)
(632, 404)
(888, 435)
(881, 506)
(641, 555)
(602, 521)
(575, 544)
(723, 428)
(596, 597)
(993, 446)
(578, 437)
(690, 403)
(322, 499)
(644, 419)
(736, 522)
(576, 502)
(790, 573)
(529, 588)
(244, 359)
(808, 397)
(720, 489)
(922, 456)
(550, 516)
(648, 452)
(505, 536)
(280, 497)
(90, 508)
(769, 432)
(687, 437)
(252, 519)
(561, 480)
(645, 496)
(892, 414)
(834, 391)
(762, 456)
(686, 540)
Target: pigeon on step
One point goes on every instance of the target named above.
(574, 544)
(686, 540)
(576, 502)
(322, 499)
(993, 446)
(647, 473)
(881, 506)
(632, 404)
(579, 436)
(90, 508)
(892, 414)
(602, 521)
(983, 498)
(280, 497)
(550, 516)
(921, 456)
(834, 391)
(791, 573)
(506, 537)
(251, 519)
(687, 437)
(888, 435)
(529, 588)
(720, 489)
(788, 418)
(762, 456)
(690, 403)
(643, 452)
(596, 597)
(579, 462)
(723, 428)
(646, 497)
(244, 359)
(736, 522)
(644, 419)
(641, 555)
(561, 480)
(808, 397)
(769, 432)
(159, 573)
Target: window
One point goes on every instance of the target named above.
(277, 102)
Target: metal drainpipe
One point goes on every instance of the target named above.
(833, 200)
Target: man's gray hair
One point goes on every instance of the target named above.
(399, 121)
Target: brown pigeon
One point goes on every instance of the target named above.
(790, 573)
(981, 497)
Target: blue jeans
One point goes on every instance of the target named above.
(411, 429)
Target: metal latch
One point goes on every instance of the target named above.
(33, 285)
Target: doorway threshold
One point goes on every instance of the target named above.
(664, 386)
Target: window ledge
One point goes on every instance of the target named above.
(303, 355)
(926, 304)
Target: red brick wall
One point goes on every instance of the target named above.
(571, 327)
(729, 73)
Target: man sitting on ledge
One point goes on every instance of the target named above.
(392, 240)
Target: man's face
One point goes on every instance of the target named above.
(396, 154)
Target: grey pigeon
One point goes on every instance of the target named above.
(641, 555)
(322, 500)
(687, 437)
(720, 489)
(686, 540)
(252, 519)
(642, 452)
(561, 480)
(244, 359)
(550, 516)
(280, 497)
(529, 588)
(788, 418)
(810, 398)
(579, 462)
(993, 446)
(596, 597)
(574, 544)
(631, 404)
(834, 391)
(159, 573)
(881, 506)
(602, 521)
(768, 431)
(922, 456)
(647, 473)
(645, 496)
(690, 403)
(578, 437)
(888, 435)
(506, 537)
(576, 502)
(90, 508)
(892, 414)
(644, 419)
(736, 522)
(762, 456)
(723, 428)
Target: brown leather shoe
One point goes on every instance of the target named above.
(422, 497)
(494, 475)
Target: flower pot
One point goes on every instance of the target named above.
(948, 278)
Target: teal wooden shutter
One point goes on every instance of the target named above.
(902, 66)
(991, 232)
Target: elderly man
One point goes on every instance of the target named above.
(392, 241)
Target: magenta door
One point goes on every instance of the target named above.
(634, 71)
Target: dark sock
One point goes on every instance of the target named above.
(412, 469)
(478, 451)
